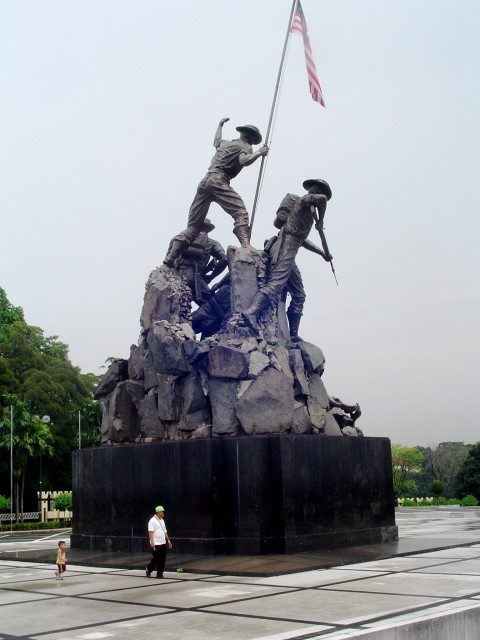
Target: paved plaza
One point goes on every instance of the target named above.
(432, 594)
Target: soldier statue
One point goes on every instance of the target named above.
(230, 158)
(295, 218)
(201, 263)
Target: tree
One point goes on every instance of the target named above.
(5, 504)
(446, 461)
(30, 438)
(406, 462)
(91, 421)
(468, 478)
(425, 477)
(63, 502)
(36, 369)
(437, 488)
(8, 314)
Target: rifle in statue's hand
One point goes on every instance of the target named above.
(319, 227)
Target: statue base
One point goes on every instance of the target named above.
(253, 495)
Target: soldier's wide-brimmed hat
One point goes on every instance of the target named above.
(325, 187)
(207, 225)
(255, 134)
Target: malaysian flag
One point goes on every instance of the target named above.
(300, 26)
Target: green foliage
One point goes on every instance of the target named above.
(437, 487)
(447, 459)
(8, 315)
(469, 501)
(5, 504)
(91, 420)
(16, 336)
(410, 502)
(406, 462)
(468, 478)
(30, 436)
(440, 501)
(36, 370)
(443, 463)
(63, 502)
(32, 526)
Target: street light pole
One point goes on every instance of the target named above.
(45, 420)
(11, 467)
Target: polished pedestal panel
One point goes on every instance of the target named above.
(247, 495)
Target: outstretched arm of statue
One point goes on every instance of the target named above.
(246, 159)
(218, 133)
(310, 246)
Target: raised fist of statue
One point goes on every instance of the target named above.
(223, 121)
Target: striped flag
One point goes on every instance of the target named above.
(300, 26)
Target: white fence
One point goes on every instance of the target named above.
(30, 515)
(47, 511)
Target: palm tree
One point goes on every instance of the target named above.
(31, 438)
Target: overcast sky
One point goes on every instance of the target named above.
(107, 118)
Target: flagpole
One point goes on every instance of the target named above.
(272, 111)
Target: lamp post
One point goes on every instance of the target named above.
(11, 467)
(45, 420)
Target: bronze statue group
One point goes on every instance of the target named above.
(200, 259)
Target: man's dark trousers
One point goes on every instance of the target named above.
(159, 555)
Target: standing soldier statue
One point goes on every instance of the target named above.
(230, 158)
(295, 218)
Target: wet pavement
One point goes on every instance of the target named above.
(430, 578)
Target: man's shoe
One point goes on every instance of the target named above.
(160, 576)
(147, 573)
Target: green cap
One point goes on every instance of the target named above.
(160, 508)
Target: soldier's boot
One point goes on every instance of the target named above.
(259, 303)
(176, 249)
(243, 234)
(294, 323)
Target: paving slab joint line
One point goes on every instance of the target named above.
(406, 626)
(364, 625)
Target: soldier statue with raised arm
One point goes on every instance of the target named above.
(230, 158)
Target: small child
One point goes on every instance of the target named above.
(61, 560)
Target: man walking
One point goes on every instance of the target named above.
(158, 536)
(230, 158)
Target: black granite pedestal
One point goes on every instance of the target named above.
(247, 495)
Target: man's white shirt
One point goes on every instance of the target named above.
(157, 526)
